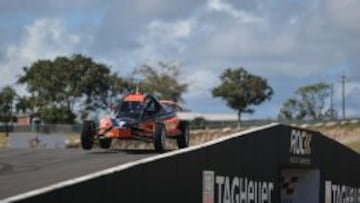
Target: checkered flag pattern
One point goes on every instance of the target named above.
(288, 185)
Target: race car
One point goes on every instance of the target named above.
(139, 116)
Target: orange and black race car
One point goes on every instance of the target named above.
(139, 116)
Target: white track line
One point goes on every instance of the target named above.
(118, 168)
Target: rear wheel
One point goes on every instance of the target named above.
(184, 138)
(105, 143)
(159, 137)
(87, 135)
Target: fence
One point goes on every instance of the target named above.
(44, 128)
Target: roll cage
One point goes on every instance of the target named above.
(144, 106)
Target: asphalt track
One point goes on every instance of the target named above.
(23, 170)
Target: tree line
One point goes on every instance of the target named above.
(65, 88)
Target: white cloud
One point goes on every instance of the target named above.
(292, 43)
(200, 81)
(44, 39)
(243, 41)
(161, 37)
(241, 16)
(175, 30)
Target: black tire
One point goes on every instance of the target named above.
(105, 143)
(87, 135)
(159, 137)
(184, 138)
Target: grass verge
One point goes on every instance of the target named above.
(355, 145)
(3, 140)
(72, 140)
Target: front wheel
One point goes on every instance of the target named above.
(184, 138)
(159, 137)
(87, 135)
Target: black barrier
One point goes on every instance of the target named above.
(273, 164)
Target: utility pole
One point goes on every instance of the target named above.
(332, 111)
(343, 81)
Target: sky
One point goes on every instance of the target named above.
(291, 43)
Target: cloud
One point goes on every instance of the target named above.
(287, 47)
(343, 15)
(292, 43)
(160, 37)
(44, 39)
(352, 98)
(241, 16)
(53, 7)
(123, 22)
(200, 82)
(177, 30)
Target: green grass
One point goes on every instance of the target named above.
(3, 140)
(355, 145)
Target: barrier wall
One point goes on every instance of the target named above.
(276, 163)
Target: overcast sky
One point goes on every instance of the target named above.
(290, 42)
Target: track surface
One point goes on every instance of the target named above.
(22, 170)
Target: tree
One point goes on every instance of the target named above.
(55, 114)
(25, 104)
(163, 80)
(292, 109)
(7, 99)
(308, 104)
(241, 90)
(66, 86)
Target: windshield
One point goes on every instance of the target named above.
(130, 108)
